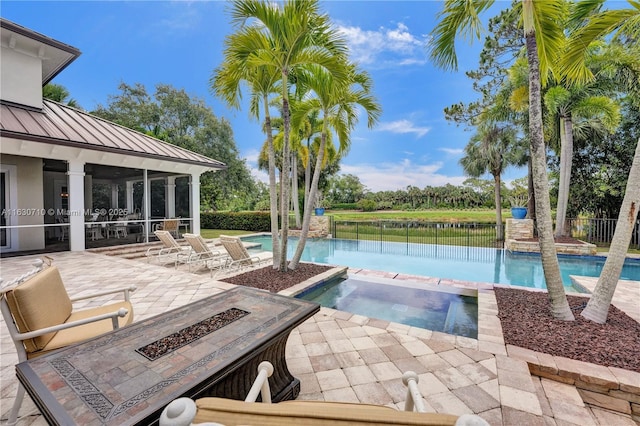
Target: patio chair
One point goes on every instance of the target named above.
(171, 249)
(238, 254)
(39, 315)
(220, 411)
(202, 253)
(170, 225)
(119, 229)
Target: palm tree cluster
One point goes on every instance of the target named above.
(563, 57)
(294, 62)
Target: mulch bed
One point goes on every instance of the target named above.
(273, 280)
(527, 322)
(525, 318)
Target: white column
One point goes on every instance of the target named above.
(130, 196)
(114, 196)
(146, 203)
(75, 173)
(194, 202)
(88, 190)
(170, 197)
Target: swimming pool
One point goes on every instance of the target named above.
(437, 308)
(452, 262)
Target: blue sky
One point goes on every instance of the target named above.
(181, 42)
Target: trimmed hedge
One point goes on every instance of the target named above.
(241, 221)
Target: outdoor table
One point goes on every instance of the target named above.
(211, 347)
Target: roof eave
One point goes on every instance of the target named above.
(82, 145)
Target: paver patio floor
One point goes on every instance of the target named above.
(339, 356)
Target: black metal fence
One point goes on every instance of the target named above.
(600, 231)
(473, 234)
(456, 234)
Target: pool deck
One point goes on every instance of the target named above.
(339, 356)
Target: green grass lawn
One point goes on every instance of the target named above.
(215, 233)
(488, 215)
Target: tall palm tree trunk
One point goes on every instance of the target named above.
(557, 297)
(307, 175)
(566, 160)
(313, 191)
(294, 187)
(284, 187)
(498, 201)
(598, 307)
(273, 190)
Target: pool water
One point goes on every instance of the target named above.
(449, 262)
(450, 312)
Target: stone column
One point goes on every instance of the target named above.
(518, 229)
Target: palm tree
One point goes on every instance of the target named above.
(225, 83)
(337, 101)
(60, 94)
(543, 41)
(492, 149)
(626, 23)
(281, 39)
(570, 107)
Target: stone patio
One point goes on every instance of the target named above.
(339, 356)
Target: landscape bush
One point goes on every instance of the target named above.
(243, 221)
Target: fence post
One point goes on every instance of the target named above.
(357, 231)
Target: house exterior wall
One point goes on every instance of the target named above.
(21, 78)
(30, 203)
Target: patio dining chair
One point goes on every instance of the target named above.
(171, 250)
(202, 253)
(239, 256)
(40, 317)
(170, 225)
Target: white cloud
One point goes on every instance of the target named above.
(386, 46)
(395, 176)
(403, 126)
(452, 151)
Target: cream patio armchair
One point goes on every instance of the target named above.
(213, 411)
(39, 315)
(201, 253)
(170, 225)
(239, 257)
(171, 250)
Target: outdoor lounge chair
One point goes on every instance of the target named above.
(210, 411)
(40, 317)
(239, 257)
(171, 250)
(202, 253)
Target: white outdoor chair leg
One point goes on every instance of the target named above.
(13, 415)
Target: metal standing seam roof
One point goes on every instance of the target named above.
(62, 125)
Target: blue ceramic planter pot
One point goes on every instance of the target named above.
(519, 212)
(319, 211)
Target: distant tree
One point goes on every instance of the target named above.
(491, 151)
(60, 94)
(345, 189)
(175, 117)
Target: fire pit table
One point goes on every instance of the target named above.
(211, 347)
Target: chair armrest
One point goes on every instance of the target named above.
(261, 384)
(414, 397)
(122, 312)
(125, 290)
